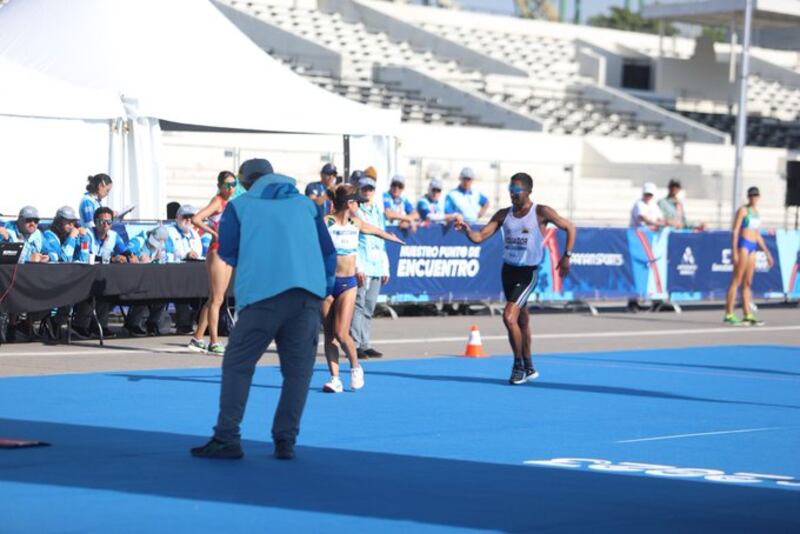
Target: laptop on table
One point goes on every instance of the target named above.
(10, 253)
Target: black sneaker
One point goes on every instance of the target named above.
(362, 355)
(517, 376)
(531, 374)
(284, 450)
(218, 450)
(372, 353)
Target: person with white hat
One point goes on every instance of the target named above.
(186, 241)
(645, 212)
(152, 246)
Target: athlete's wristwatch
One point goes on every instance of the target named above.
(568, 253)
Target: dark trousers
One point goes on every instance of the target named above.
(292, 319)
(148, 318)
(185, 314)
(83, 321)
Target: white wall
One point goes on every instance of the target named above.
(45, 163)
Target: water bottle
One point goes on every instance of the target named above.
(84, 256)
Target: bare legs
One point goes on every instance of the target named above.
(517, 322)
(742, 276)
(219, 276)
(337, 314)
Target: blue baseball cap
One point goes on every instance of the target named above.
(356, 177)
(329, 168)
(253, 169)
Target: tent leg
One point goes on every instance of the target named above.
(346, 150)
(741, 118)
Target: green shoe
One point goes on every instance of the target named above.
(197, 345)
(216, 349)
(732, 320)
(753, 320)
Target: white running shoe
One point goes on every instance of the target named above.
(356, 378)
(334, 385)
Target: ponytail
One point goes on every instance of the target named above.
(95, 181)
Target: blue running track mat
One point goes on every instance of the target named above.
(689, 440)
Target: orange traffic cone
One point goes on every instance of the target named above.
(474, 348)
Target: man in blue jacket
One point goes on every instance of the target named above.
(285, 265)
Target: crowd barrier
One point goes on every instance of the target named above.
(439, 264)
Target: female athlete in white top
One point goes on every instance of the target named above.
(523, 226)
(337, 310)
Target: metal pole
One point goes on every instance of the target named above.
(571, 193)
(577, 17)
(741, 119)
(346, 150)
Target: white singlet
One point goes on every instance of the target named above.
(344, 236)
(522, 239)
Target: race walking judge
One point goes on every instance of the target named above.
(275, 300)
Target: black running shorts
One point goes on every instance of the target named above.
(519, 282)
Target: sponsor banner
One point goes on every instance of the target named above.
(601, 266)
(789, 252)
(648, 251)
(439, 263)
(701, 265)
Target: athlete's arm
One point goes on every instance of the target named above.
(737, 226)
(208, 211)
(477, 236)
(550, 215)
(374, 230)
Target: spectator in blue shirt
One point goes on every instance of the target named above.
(396, 207)
(472, 205)
(188, 245)
(318, 191)
(431, 206)
(97, 190)
(105, 242)
(372, 270)
(152, 246)
(276, 300)
(186, 242)
(26, 230)
(64, 240)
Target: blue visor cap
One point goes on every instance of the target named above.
(516, 189)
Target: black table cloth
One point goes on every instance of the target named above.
(42, 286)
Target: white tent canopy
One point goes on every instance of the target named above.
(181, 61)
(144, 61)
(29, 93)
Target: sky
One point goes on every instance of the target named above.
(588, 7)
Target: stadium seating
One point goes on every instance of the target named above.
(546, 81)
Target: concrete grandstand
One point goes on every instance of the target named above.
(591, 113)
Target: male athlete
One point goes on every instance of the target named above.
(523, 226)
